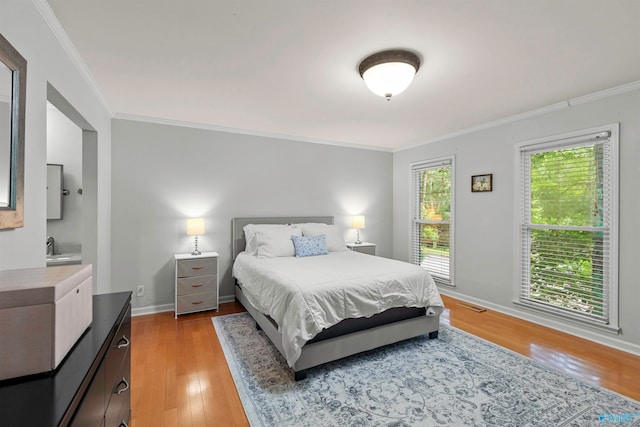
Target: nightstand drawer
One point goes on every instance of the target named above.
(369, 250)
(197, 267)
(197, 302)
(363, 248)
(197, 285)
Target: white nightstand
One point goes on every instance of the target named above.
(196, 282)
(364, 247)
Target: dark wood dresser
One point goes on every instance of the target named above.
(91, 387)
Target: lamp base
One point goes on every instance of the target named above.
(196, 251)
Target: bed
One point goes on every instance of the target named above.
(323, 332)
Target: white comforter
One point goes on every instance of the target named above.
(306, 295)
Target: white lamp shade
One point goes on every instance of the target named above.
(389, 79)
(357, 222)
(195, 227)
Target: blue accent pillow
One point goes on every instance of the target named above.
(310, 246)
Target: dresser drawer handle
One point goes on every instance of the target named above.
(126, 386)
(197, 302)
(197, 285)
(124, 344)
(200, 267)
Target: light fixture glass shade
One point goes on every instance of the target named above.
(195, 227)
(357, 222)
(389, 72)
(389, 79)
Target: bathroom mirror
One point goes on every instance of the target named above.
(55, 183)
(13, 93)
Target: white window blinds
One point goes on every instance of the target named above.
(432, 218)
(567, 227)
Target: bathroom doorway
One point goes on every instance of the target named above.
(72, 159)
(64, 189)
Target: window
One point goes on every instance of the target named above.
(432, 218)
(568, 226)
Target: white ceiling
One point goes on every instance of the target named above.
(288, 68)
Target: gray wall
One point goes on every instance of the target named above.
(485, 239)
(48, 62)
(164, 174)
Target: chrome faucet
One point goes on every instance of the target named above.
(51, 246)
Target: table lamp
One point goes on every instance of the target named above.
(195, 227)
(357, 222)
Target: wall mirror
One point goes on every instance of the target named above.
(13, 93)
(55, 190)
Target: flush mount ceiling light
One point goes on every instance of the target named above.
(389, 72)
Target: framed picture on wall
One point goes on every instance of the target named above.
(482, 183)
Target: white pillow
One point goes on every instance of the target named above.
(276, 242)
(335, 241)
(251, 245)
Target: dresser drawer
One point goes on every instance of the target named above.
(118, 354)
(118, 373)
(197, 302)
(197, 285)
(197, 267)
(120, 399)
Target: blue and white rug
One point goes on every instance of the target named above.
(455, 380)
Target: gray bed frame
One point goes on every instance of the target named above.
(320, 352)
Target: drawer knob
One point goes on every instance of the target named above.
(197, 302)
(197, 267)
(196, 285)
(125, 388)
(124, 344)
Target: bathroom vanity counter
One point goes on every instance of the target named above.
(64, 259)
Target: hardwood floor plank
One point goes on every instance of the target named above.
(612, 369)
(180, 376)
(170, 418)
(183, 407)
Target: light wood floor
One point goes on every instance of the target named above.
(180, 376)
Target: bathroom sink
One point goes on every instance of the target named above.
(64, 259)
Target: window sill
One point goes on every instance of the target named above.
(599, 326)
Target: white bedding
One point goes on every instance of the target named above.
(308, 294)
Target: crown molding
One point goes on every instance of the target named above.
(61, 35)
(617, 90)
(194, 125)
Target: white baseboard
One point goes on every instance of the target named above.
(593, 336)
(227, 298)
(153, 309)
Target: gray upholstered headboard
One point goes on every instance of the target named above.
(237, 233)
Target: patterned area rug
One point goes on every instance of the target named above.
(455, 380)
